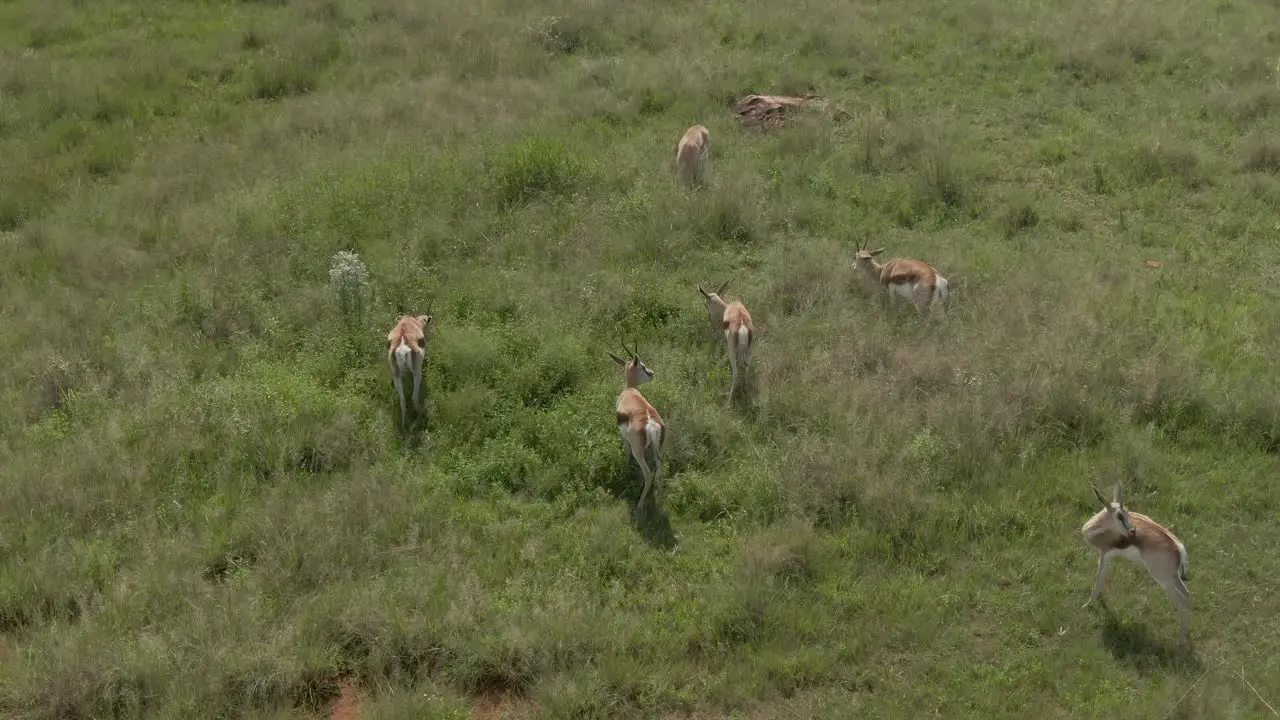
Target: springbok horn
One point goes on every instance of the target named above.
(1101, 499)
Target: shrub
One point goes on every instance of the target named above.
(349, 281)
(535, 167)
(563, 35)
(1158, 161)
(942, 181)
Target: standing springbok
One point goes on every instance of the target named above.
(1116, 531)
(914, 280)
(643, 432)
(406, 349)
(739, 333)
(693, 155)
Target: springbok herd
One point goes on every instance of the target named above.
(1112, 531)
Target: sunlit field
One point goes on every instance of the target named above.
(208, 508)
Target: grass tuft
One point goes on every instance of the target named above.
(1151, 163)
(1262, 155)
(297, 68)
(1020, 216)
(535, 167)
(729, 216)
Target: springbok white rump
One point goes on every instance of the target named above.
(406, 349)
(643, 432)
(912, 279)
(734, 321)
(1114, 530)
(693, 155)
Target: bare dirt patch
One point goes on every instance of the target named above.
(348, 704)
(492, 706)
(768, 112)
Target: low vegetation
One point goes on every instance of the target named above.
(207, 508)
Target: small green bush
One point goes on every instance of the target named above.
(535, 167)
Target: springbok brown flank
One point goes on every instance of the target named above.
(693, 155)
(734, 321)
(912, 279)
(406, 349)
(1114, 530)
(643, 432)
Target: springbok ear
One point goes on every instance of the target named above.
(876, 252)
(1118, 496)
(1105, 505)
(703, 292)
(722, 287)
(617, 359)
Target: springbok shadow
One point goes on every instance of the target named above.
(1135, 644)
(654, 525)
(416, 431)
(744, 397)
(650, 520)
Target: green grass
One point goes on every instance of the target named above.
(207, 509)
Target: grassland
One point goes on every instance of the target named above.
(207, 510)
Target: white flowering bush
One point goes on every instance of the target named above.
(349, 281)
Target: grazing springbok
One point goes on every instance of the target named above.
(643, 432)
(1116, 531)
(912, 279)
(693, 155)
(739, 333)
(406, 348)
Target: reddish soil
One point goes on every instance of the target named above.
(347, 706)
(488, 707)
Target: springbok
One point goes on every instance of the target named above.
(739, 333)
(1114, 530)
(914, 280)
(693, 155)
(643, 432)
(406, 349)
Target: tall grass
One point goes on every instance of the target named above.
(211, 217)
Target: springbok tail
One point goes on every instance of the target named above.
(654, 434)
(942, 290)
(404, 355)
(738, 340)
